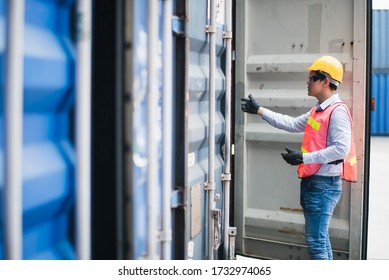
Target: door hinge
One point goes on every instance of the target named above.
(372, 104)
(210, 29)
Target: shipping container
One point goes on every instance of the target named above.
(143, 151)
(275, 42)
(380, 73)
(143, 161)
(47, 163)
(380, 93)
(194, 146)
(380, 40)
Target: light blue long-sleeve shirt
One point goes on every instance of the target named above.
(338, 139)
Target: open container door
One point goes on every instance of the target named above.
(275, 42)
(193, 125)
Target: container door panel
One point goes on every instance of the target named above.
(193, 148)
(275, 42)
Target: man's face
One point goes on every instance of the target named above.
(314, 84)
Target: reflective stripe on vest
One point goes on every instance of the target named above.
(315, 139)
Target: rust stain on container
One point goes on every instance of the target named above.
(294, 210)
(292, 231)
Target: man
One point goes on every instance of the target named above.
(327, 154)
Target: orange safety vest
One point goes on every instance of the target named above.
(315, 139)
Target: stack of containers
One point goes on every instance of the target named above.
(380, 73)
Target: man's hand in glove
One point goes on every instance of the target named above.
(293, 157)
(249, 105)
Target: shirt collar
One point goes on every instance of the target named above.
(328, 102)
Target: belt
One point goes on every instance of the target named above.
(335, 162)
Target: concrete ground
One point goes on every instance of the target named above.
(378, 227)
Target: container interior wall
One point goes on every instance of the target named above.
(276, 42)
(48, 148)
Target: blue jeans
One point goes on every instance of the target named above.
(318, 197)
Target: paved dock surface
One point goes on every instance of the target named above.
(378, 228)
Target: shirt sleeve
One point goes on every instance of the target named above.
(285, 122)
(338, 139)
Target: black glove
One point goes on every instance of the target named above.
(293, 157)
(250, 105)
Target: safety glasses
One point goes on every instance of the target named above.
(313, 78)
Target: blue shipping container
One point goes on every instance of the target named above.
(139, 230)
(380, 72)
(380, 116)
(198, 125)
(380, 40)
(48, 151)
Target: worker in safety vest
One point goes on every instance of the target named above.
(327, 153)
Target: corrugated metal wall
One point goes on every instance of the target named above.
(380, 116)
(137, 134)
(198, 115)
(380, 73)
(48, 151)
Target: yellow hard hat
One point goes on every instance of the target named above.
(330, 65)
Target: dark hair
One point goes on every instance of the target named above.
(322, 77)
(333, 87)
